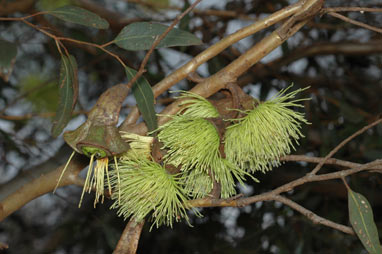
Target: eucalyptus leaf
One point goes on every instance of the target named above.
(141, 35)
(40, 92)
(8, 52)
(361, 218)
(68, 89)
(350, 113)
(80, 16)
(145, 99)
(48, 5)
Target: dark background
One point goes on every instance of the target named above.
(341, 62)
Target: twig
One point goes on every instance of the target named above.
(210, 12)
(32, 115)
(206, 202)
(141, 69)
(345, 9)
(340, 145)
(354, 22)
(25, 17)
(312, 216)
(101, 47)
(275, 195)
(339, 174)
(330, 161)
(57, 38)
(128, 243)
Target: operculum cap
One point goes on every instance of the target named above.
(101, 140)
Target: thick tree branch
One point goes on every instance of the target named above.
(36, 182)
(128, 242)
(211, 52)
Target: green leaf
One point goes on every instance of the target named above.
(145, 99)
(74, 75)
(141, 35)
(48, 5)
(80, 16)
(158, 4)
(361, 218)
(8, 51)
(350, 113)
(68, 94)
(40, 92)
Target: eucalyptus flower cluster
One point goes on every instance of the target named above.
(253, 142)
(192, 142)
(205, 148)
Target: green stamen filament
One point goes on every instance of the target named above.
(119, 180)
(63, 171)
(87, 180)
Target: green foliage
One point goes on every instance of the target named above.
(158, 3)
(361, 218)
(257, 140)
(8, 52)
(145, 99)
(77, 15)
(40, 92)
(47, 5)
(141, 35)
(68, 90)
(146, 187)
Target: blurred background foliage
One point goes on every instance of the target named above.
(342, 64)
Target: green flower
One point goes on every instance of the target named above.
(195, 105)
(267, 132)
(197, 184)
(146, 188)
(192, 143)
